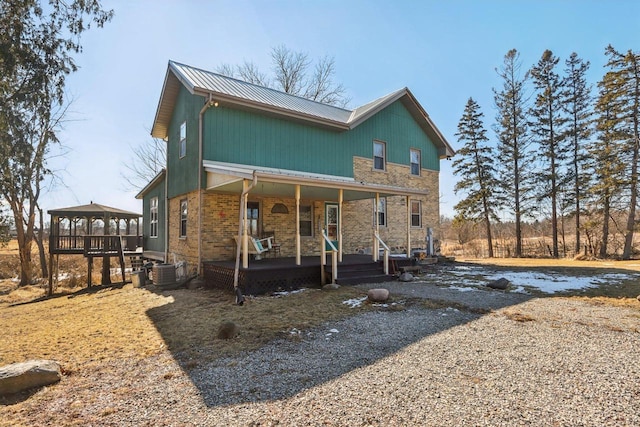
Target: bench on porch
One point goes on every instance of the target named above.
(256, 246)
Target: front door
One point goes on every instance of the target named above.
(253, 219)
(331, 223)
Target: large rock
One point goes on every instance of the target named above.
(406, 277)
(331, 287)
(501, 284)
(18, 377)
(378, 295)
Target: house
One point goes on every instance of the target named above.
(245, 160)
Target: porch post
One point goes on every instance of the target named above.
(340, 199)
(245, 237)
(298, 255)
(408, 227)
(376, 225)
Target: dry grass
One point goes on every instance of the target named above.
(127, 322)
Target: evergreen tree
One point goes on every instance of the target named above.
(624, 81)
(577, 104)
(606, 165)
(511, 128)
(474, 165)
(547, 128)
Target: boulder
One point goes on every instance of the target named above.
(22, 376)
(406, 277)
(330, 287)
(501, 284)
(228, 330)
(378, 295)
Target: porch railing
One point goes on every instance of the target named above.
(385, 255)
(334, 257)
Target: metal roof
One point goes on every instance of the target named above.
(94, 210)
(247, 95)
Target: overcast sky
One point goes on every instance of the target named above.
(443, 51)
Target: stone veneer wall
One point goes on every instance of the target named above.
(184, 248)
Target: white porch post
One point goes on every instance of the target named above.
(340, 199)
(376, 224)
(298, 255)
(408, 227)
(245, 236)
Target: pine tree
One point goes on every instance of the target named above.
(577, 104)
(474, 165)
(606, 165)
(547, 128)
(625, 90)
(511, 128)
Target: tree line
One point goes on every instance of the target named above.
(561, 151)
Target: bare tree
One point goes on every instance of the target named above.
(147, 161)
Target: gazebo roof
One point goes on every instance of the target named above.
(94, 210)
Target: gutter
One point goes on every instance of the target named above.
(209, 103)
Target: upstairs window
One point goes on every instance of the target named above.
(415, 162)
(183, 139)
(379, 159)
(153, 217)
(416, 213)
(183, 218)
(382, 212)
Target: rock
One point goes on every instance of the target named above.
(330, 287)
(406, 277)
(501, 284)
(18, 377)
(378, 295)
(228, 330)
(638, 297)
(195, 283)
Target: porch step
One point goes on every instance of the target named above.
(353, 274)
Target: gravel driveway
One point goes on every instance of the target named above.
(543, 362)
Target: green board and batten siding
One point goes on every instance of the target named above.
(154, 243)
(238, 136)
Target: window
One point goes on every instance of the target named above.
(378, 155)
(153, 217)
(416, 213)
(253, 218)
(183, 139)
(415, 162)
(382, 212)
(306, 220)
(183, 218)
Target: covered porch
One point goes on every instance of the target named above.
(323, 238)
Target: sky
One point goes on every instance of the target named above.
(443, 51)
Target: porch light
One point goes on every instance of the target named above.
(279, 208)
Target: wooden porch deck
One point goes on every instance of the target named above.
(271, 274)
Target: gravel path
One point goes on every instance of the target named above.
(551, 361)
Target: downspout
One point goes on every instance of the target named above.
(236, 272)
(209, 103)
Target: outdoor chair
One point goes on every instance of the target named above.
(257, 246)
(275, 247)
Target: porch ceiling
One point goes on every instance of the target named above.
(227, 178)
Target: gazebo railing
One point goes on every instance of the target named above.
(94, 245)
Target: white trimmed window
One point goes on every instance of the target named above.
(415, 162)
(382, 212)
(306, 220)
(379, 155)
(183, 217)
(153, 217)
(416, 213)
(183, 139)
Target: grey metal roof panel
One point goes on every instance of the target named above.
(200, 80)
